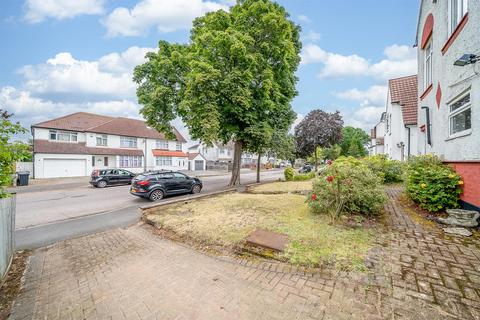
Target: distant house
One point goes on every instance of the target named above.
(400, 138)
(217, 152)
(449, 88)
(78, 143)
(377, 136)
(196, 162)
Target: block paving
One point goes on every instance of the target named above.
(414, 272)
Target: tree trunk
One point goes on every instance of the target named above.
(237, 159)
(258, 167)
(316, 160)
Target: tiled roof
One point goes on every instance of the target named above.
(83, 121)
(45, 146)
(193, 155)
(404, 91)
(166, 153)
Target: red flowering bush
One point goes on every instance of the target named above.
(347, 186)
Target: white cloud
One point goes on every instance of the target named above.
(364, 117)
(108, 77)
(401, 61)
(376, 94)
(39, 10)
(165, 15)
(304, 18)
(312, 36)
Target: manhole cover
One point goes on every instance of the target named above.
(268, 239)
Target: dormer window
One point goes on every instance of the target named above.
(457, 9)
(65, 136)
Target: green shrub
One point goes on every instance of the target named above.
(289, 173)
(388, 170)
(432, 184)
(304, 176)
(347, 186)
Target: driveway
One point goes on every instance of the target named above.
(48, 206)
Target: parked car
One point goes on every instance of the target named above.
(156, 185)
(306, 168)
(108, 177)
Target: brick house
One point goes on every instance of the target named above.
(449, 89)
(78, 143)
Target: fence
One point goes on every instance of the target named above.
(7, 231)
(24, 166)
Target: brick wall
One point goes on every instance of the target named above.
(470, 172)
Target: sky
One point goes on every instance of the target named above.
(62, 56)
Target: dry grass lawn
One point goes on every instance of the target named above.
(283, 186)
(228, 219)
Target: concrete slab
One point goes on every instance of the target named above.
(268, 239)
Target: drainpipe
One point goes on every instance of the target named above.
(408, 141)
(427, 116)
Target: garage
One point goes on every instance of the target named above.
(59, 168)
(199, 165)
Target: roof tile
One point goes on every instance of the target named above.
(404, 91)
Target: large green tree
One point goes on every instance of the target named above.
(353, 142)
(234, 81)
(10, 152)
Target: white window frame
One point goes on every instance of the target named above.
(457, 9)
(428, 65)
(178, 146)
(130, 161)
(163, 161)
(63, 136)
(162, 144)
(128, 142)
(103, 139)
(456, 112)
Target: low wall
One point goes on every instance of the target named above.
(470, 172)
(7, 230)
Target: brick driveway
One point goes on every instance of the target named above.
(416, 273)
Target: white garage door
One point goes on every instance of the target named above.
(59, 168)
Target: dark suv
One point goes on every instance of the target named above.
(155, 185)
(108, 177)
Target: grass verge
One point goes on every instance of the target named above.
(225, 221)
(282, 187)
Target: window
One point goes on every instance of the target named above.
(130, 161)
(165, 176)
(162, 144)
(457, 9)
(222, 150)
(63, 136)
(105, 161)
(179, 176)
(427, 66)
(93, 161)
(102, 140)
(163, 161)
(128, 142)
(460, 117)
(179, 146)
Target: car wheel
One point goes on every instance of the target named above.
(156, 195)
(196, 189)
(102, 184)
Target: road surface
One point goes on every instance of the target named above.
(45, 217)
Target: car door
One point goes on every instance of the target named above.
(167, 182)
(113, 177)
(124, 177)
(182, 183)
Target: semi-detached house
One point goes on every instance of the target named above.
(78, 143)
(449, 88)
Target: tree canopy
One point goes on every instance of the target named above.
(318, 129)
(10, 152)
(234, 81)
(353, 142)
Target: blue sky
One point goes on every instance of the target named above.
(59, 56)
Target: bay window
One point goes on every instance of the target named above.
(130, 161)
(460, 117)
(163, 161)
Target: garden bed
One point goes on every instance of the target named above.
(222, 224)
(300, 187)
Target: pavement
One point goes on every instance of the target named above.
(415, 272)
(44, 217)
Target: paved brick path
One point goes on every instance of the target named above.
(132, 274)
